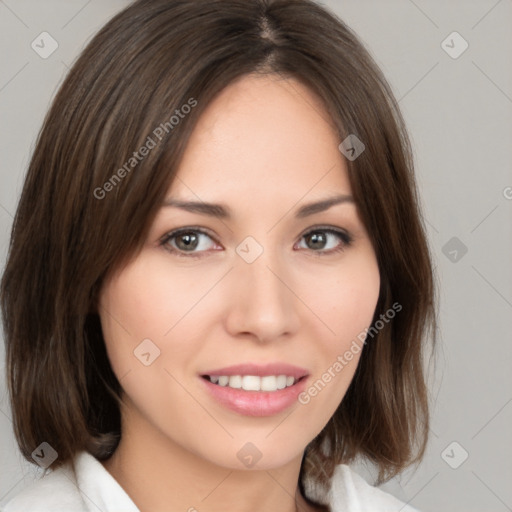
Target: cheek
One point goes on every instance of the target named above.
(347, 303)
(132, 311)
(148, 299)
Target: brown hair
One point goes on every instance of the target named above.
(80, 217)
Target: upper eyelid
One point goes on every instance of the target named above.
(187, 229)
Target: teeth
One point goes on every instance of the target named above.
(253, 382)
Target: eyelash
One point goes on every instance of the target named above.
(346, 241)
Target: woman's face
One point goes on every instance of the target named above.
(257, 281)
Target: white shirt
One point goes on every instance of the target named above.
(91, 488)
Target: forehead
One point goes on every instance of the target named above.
(266, 139)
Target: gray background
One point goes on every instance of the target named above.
(459, 113)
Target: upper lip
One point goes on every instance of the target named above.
(260, 370)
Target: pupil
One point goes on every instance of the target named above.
(317, 238)
(186, 238)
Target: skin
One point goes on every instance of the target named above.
(263, 148)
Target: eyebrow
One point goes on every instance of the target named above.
(222, 212)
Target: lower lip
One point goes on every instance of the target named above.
(256, 403)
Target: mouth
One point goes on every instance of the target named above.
(255, 395)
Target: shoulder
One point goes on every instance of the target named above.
(54, 491)
(80, 485)
(350, 490)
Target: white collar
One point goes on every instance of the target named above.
(84, 485)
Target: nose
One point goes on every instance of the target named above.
(262, 302)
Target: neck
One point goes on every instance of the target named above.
(161, 475)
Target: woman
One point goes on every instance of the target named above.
(219, 291)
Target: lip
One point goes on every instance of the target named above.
(260, 370)
(255, 403)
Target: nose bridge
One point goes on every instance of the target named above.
(264, 305)
(263, 275)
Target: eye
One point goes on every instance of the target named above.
(322, 240)
(186, 240)
(192, 242)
